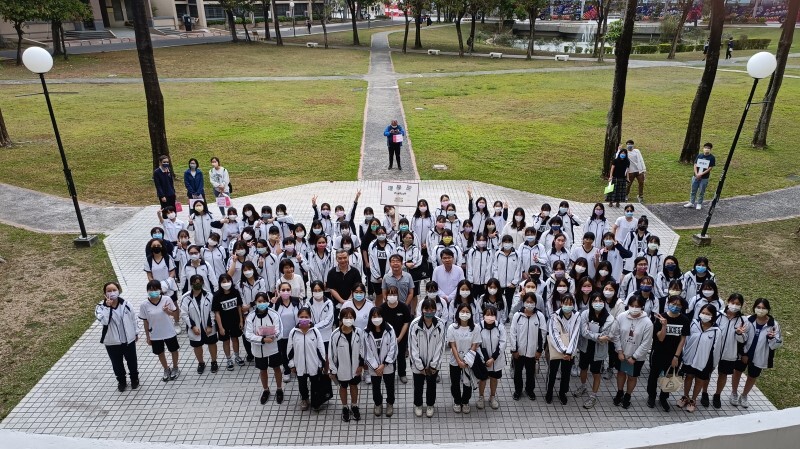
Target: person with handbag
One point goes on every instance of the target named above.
(701, 355)
(221, 181)
(563, 332)
(670, 330)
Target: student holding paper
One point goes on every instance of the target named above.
(702, 172)
(395, 134)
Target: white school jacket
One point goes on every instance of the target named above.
(493, 345)
(268, 264)
(561, 328)
(322, 315)
(201, 316)
(346, 356)
(534, 254)
(506, 268)
(421, 227)
(629, 285)
(765, 347)
(569, 225)
(635, 245)
(337, 242)
(442, 309)
(432, 240)
(480, 265)
(662, 284)
(249, 292)
(697, 303)
(216, 258)
(306, 351)
(454, 226)
(413, 254)
(547, 241)
(374, 265)
(386, 354)
(591, 330)
(655, 262)
(527, 333)
(210, 277)
(730, 339)
(553, 255)
(598, 227)
(616, 259)
(517, 234)
(691, 286)
(633, 335)
(426, 344)
(119, 325)
(702, 344)
(202, 227)
(252, 324)
(436, 254)
(317, 267)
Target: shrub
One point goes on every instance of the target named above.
(664, 48)
(646, 49)
(699, 47)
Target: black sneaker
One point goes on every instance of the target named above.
(563, 398)
(532, 396)
(250, 358)
(201, 367)
(214, 367)
(264, 397)
(716, 401)
(704, 400)
(548, 397)
(626, 401)
(345, 414)
(651, 401)
(134, 383)
(664, 401)
(356, 413)
(618, 398)
(121, 386)
(279, 396)
(515, 396)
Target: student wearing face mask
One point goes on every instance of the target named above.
(120, 334)
(453, 223)
(464, 296)
(426, 345)
(171, 224)
(637, 170)
(197, 266)
(532, 253)
(213, 254)
(733, 327)
(603, 274)
(422, 222)
(708, 294)
(492, 349)
(397, 314)
(494, 298)
(500, 215)
(239, 255)
(380, 353)
(229, 312)
(557, 251)
(478, 211)
(597, 224)
(220, 180)
(231, 227)
(619, 177)
(670, 330)
(613, 252)
(701, 354)
(516, 227)
(615, 308)
(541, 221)
(633, 338)
(559, 278)
(201, 222)
(466, 238)
(631, 281)
(410, 263)
(492, 234)
(762, 339)
(251, 284)
(586, 251)
(319, 261)
(654, 256)
(347, 354)
(193, 181)
(694, 278)
(250, 217)
(180, 253)
(157, 314)
(344, 218)
(360, 304)
(306, 359)
(447, 242)
(533, 285)
(286, 306)
(625, 224)
(646, 291)
(563, 332)
(579, 269)
(262, 327)
(595, 325)
(480, 264)
(284, 221)
(506, 268)
(568, 221)
(635, 241)
(669, 273)
(379, 252)
(442, 308)
(160, 266)
(201, 326)
(267, 264)
(464, 339)
(288, 275)
(163, 178)
(389, 222)
(556, 229)
(526, 340)
(345, 229)
(323, 216)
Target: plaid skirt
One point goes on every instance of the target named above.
(620, 188)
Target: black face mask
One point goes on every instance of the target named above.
(197, 286)
(156, 250)
(642, 228)
(535, 277)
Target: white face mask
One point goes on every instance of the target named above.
(529, 306)
(464, 316)
(464, 293)
(603, 273)
(241, 252)
(518, 217)
(635, 311)
(498, 209)
(171, 215)
(300, 234)
(348, 322)
(507, 246)
(652, 246)
(377, 321)
(492, 291)
(530, 290)
(248, 274)
(225, 285)
(212, 242)
(347, 247)
(579, 269)
(734, 307)
(194, 257)
(562, 290)
(705, 318)
(392, 299)
(675, 292)
(708, 293)
(317, 295)
(608, 293)
(761, 312)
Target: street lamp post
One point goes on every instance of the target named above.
(759, 66)
(39, 61)
(291, 9)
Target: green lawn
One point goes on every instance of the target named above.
(209, 60)
(40, 324)
(342, 38)
(523, 132)
(419, 63)
(738, 257)
(268, 135)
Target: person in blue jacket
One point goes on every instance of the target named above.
(394, 147)
(193, 180)
(163, 179)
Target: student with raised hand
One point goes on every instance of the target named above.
(462, 337)
(701, 355)
(262, 327)
(613, 252)
(708, 294)
(633, 338)
(516, 227)
(670, 272)
(670, 330)
(200, 323)
(563, 332)
(157, 314)
(346, 358)
(120, 334)
(595, 333)
(763, 338)
(493, 343)
(526, 340)
(478, 212)
(380, 354)
(500, 215)
(306, 359)
(733, 327)
(322, 215)
(426, 346)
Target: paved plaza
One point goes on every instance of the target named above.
(78, 396)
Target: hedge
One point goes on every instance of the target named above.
(646, 49)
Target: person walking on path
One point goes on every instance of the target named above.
(165, 186)
(636, 171)
(394, 139)
(702, 172)
(729, 50)
(308, 25)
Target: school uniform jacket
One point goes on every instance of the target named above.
(322, 315)
(629, 285)
(374, 265)
(249, 292)
(426, 345)
(593, 330)
(454, 226)
(532, 255)
(412, 254)
(633, 336)
(697, 303)
(569, 225)
(436, 254)
(386, 354)
(493, 345)
(480, 266)
(202, 226)
(201, 316)
(478, 216)
(527, 334)
(554, 255)
(598, 227)
(661, 286)
(119, 325)
(731, 341)
(317, 267)
(216, 258)
(421, 227)
(635, 245)
(268, 264)
(700, 345)
(691, 286)
(346, 356)
(465, 242)
(210, 277)
(616, 257)
(442, 309)
(765, 346)
(559, 325)
(305, 351)
(506, 268)
(548, 237)
(432, 240)
(251, 325)
(655, 262)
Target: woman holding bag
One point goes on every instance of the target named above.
(220, 180)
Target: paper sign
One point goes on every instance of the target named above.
(397, 138)
(702, 164)
(399, 193)
(266, 331)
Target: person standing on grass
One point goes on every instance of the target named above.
(194, 181)
(702, 172)
(705, 50)
(220, 180)
(165, 182)
(619, 177)
(394, 139)
(120, 334)
(637, 170)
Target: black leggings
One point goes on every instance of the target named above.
(316, 395)
(377, 397)
(613, 358)
(429, 384)
(282, 344)
(394, 150)
(565, 366)
(461, 393)
(658, 363)
(529, 365)
(126, 352)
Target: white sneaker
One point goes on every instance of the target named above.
(743, 401)
(429, 412)
(494, 403)
(368, 380)
(418, 412)
(457, 408)
(575, 371)
(688, 205)
(481, 403)
(580, 391)
(733, 399)
(699, 206)
(609, 374)
(465, 408)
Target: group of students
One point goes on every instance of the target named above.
(343, 304)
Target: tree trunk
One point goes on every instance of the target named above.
(57, 48)
(152, 90)
(352, 5)
(684, 14)
(324, 29)
(246, 33)
(459, 16)
(614, 126)
(18, 27)
(278, 38)
(471, 39)
(694, 129)
(418, 38)
(264, 3)
(4, 139)
(601, 54)
(784, 45)
(232, 25)
(63, 43)
(405, 36)
(533, 13)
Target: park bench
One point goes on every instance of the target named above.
(312, 44)
(562, 57)
(433, 52)
(495, 55)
